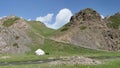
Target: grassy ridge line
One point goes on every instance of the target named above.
(115, 21)
(41, 28)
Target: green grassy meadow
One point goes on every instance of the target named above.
(56, 49)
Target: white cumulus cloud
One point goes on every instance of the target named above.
(45, 19)
(61, 19)
(102, 16)
(3, 17)
(29, 19)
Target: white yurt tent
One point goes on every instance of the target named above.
(39, 52)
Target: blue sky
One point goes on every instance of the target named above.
(50, 9)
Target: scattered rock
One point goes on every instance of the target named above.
(76, 60)
(4, 57)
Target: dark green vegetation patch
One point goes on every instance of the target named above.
(10, 22)
(115, 21)
(64, 29)
(16, 45)
(66, 26)
(83, 27)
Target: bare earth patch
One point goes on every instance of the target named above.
(4, 57)
(76, 60)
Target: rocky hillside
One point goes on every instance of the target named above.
(13, 36)
(19, 36)
(87, 29)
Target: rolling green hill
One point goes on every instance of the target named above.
(41, 28)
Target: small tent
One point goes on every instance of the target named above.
(39, 52)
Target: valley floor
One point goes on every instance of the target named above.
(107, 63)
(56, 50)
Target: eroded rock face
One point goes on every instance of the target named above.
(87, 29)
(20, 24)
(87, 14)
(112, 38)
(13, 39)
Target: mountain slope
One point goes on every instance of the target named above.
(13, 36)
(87, 29)
(19, 36)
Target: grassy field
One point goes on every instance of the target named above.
(111, 64)
(56, 49)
